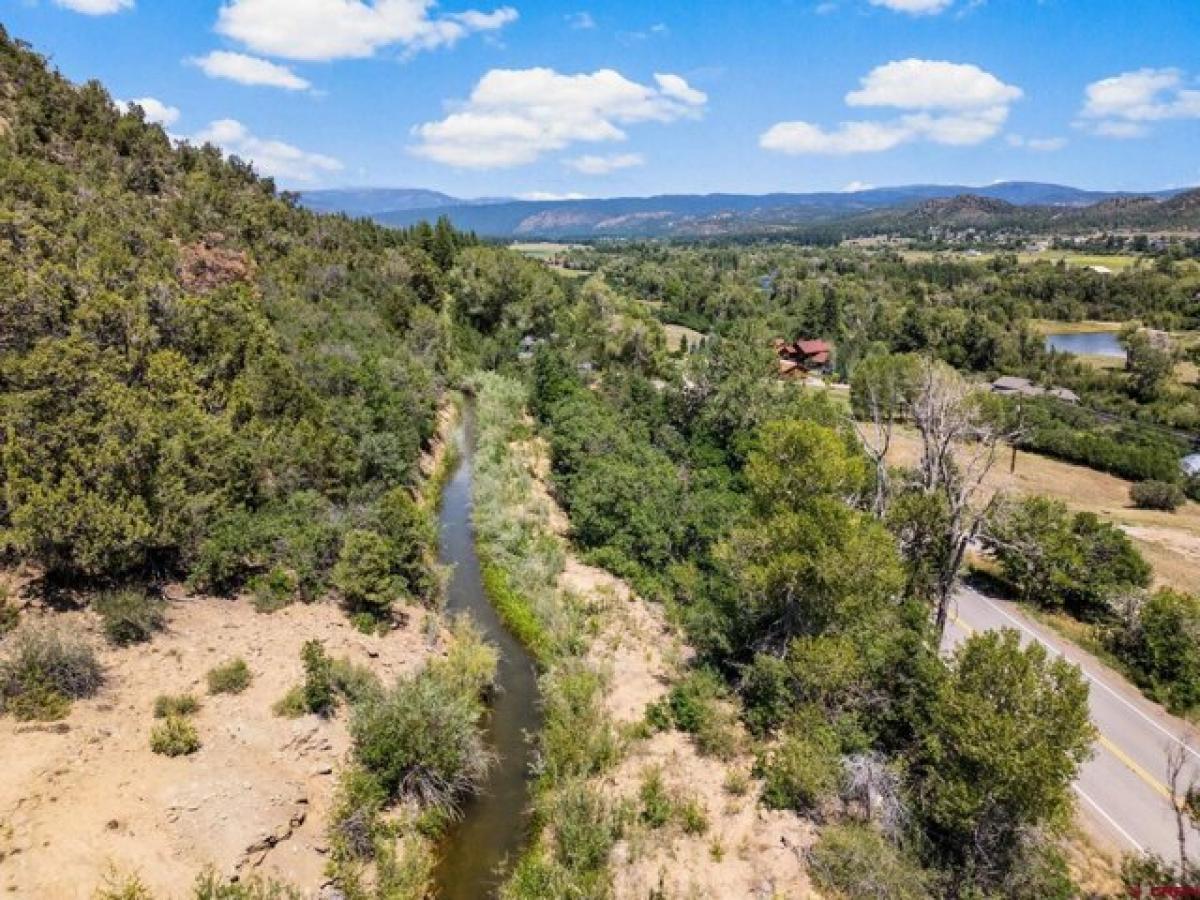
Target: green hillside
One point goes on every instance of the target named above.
(196, 375)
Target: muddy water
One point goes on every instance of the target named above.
(493, 827)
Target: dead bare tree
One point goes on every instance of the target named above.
(880, 394)
(1183, 793)
(960, 442)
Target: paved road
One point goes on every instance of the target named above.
(1122, 789)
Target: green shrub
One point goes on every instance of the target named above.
(122, 887)
(364, 574)
(274, 590)
(43, 669)
(800, 773)
(10, 616)
(176, 736)
(1141, 873)
(693, 817)
(231, 677)
(584, 826)
(408, 529)
(469, 666)
(294, 540)
(130, 616)
(655, 804)
(1157, 495)
(354, 825)
(167, 705)
(855, 862)
(366, 623)
(356, 683)
(404, 868)
(211, 886)
(422, 740)
(1192, 488)
(578, 738)
(291, 705)
(737, 783)
(1163, 646)
(39, 704)
(319, 696)
(699, 706)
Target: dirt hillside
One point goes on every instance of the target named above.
(86, 796)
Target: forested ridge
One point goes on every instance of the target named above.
(196, 375)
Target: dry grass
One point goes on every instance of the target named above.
(1091, 326)
(1170, 541)
(677, 334)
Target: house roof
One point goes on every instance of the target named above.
(811, 348)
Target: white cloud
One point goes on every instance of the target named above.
(1042, 145)
(581, 21)
(514, 116)
(915, 7)
(932, 84)
(946, 103)
(676, 88)
(855, 186)
(548, 196)
(95, 7)
(341, 29)
(849, 137)
(1123, 106)
(603, 165)
(156, 111)
(270, 157)
(249, 70)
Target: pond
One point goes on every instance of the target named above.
(494, 824)
(1092, 343)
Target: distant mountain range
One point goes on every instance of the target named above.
(906, 209)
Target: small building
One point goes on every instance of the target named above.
(1191, 465)
(803, 357)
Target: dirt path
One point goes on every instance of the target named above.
(747, 851)
(86, 796)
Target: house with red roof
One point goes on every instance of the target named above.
(804, 357)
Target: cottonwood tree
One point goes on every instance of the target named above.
(808, 562)
(961, 435)
(1007, 732)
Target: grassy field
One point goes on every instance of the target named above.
(541, 250)
(1170, 541)
(1117, 262)
(1049, 326)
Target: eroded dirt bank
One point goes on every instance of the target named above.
(86, 797)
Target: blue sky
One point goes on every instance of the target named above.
(533, 98)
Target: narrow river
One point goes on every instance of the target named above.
(493, 826)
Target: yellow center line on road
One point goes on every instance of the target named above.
(1122, 757)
